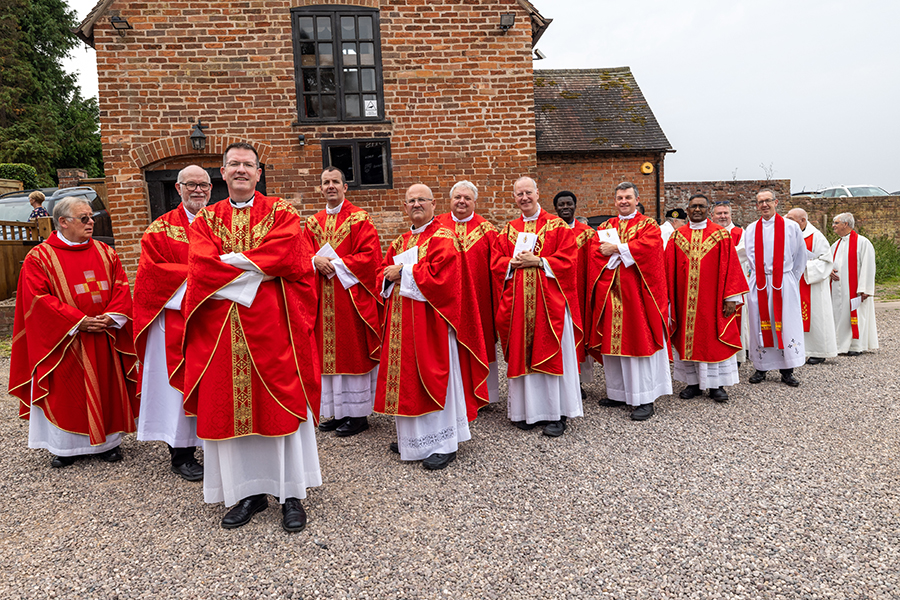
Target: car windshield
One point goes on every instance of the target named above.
(867, 190)
(15, 211)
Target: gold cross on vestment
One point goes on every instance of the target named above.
(92, 286)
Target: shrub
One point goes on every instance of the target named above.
(21, 172)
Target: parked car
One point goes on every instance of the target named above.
(14, 206)
(844, 191)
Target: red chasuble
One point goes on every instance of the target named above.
(250, 370)
(736, 234)
(415, 363)
(532, 308)
(629, 305)
(476, 238)
(84, 383)
(161, 271)
(351, 317)
(702, 270)
(585, 241)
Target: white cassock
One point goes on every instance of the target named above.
(665, 231)
(840, 296)
(793, 354)
(237, 468)
(819, 341)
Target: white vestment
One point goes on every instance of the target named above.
(44, 434)
(706, 375)
(741, 250)
(665, 231)
(840, 296)
(819, 341)
(792, 355)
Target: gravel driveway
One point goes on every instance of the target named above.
(781, 493)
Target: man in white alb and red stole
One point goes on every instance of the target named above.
(705, 283)
(159, 325)
(565, 203)
(629, 308)
(722, 217)
(535, 263)
(73, 364)
(476, 238)
(776, 256)
(348, 323)
(852, 286)
(251, 368)
(815, 292)
(426, 339)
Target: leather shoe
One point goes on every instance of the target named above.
(332, 424)
(111, 455)
(643, 412)
(610, 403)
(718, 394)
(395, 447)
(353, 426)
(555, 428)
(583, 393)
(189, 471)
(524, 426)
(815, 360)
(59, 462)
(438, 461)
(293, 516)
(758, 377)
(244, 511)
(790, 380)
(853, 353)
(691, 391)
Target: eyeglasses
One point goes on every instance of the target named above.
(246, 165)
(765, 201)
(414, 201)
(193, 186)
(85, 219)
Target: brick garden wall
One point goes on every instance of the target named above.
(458, 101)
(876, 215)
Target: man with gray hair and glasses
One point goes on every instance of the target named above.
(159, 288)
(73, 366)
(852, 288)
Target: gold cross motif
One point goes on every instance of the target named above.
(92, 286)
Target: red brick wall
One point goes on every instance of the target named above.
(458, 101)
(593, 179)
(877, 215)
(742, 195)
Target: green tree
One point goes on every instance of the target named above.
(44, 121)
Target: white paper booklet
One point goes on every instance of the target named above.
(525, 242)
(409, 257)
(608, 235)
(327, 251)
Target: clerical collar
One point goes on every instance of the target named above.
(68, 242)
(189, 214)
(628, 217)
(768, 221)
(244, 204)
(422, 228)
(730, 227)
(533, 217)
(335, 210)
(700, 225)
(572, 224)
(466, 220)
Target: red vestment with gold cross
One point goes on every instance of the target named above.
(84, 383)
(702, 270)
(162, 269)
(250, 370)
(349, 317)
(415, 359)
(532, 307)
(629, 305)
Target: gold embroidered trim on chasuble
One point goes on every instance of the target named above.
(175, 232)
(328, 309)
(395, 354)
(529, 299)
(695, 250)
(468, 240)
(241, 381)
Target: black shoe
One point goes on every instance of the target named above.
(293, 516)
(610, 403)
(438, 461)
(353, 426)
(332, 424)
(758, 377)
(59, 462)
(853, 353)
(244, 510)
(583, 393)
(189, 471)
(691, 391)
(789, 379)
(643, 412)
(524, 426)
(111, 455)
(555, 428)
(395, 447)
(718, 394)
(814, 360)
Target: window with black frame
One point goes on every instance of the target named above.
(366, 163)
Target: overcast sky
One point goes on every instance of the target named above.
(808, 88)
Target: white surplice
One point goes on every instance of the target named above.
(840, 296)
(819, 341)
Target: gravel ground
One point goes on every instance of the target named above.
(781, 493)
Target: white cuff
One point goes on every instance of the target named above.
(408, 287)
(625, 253)
(547, 270)
(242, 290)
(344, 275)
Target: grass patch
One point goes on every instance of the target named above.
(888, 290)
(5, 347)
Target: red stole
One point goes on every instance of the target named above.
(804, 292)
(736, 234)
(762, 296)
(853, 270)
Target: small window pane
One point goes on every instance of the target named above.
(351, 102)
(329, 106)
(323, 28)
(306, 28)
(348, 28)
(367, 53)
(368, 80)
(365, 28)
(351, 81)
(312, 106)
(310, 81)
(307, 55)
(372, 163)
(326, 80)
(341, 157)
(326, 56)
(349, 52)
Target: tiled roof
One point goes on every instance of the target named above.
(593, 110)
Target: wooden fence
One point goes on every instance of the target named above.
(16, 240)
